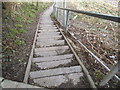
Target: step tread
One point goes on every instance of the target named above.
(48, 27)
(53, 64)
(51, 40)
(48, 30)
(51, 48)
(50, 37)
(55, 72)
(56, 81)
(53, 58)
(48, 33)
(50, 53)
(51, 43)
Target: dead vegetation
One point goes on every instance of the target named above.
(19, 22)
(98, 35)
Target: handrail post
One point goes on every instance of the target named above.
(66, 21)
(57, 13)
(64, 15)
(54, 9)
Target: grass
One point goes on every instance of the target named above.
(25, 15)
(29, 21)
(19, 42)
(18, 25)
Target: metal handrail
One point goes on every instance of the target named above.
(98, 15)
(102, 16)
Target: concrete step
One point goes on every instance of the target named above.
(47, 32)
(43, 22)
(50, 53)
(53, 64)
(52, 48)
(52, 43)
(46, 19)
(48, 27)
(13, 84)
(46, 40)
(49, 37)
(53, 58)
(61, 81)
(47, 24)
(62, 75)
(55, 72)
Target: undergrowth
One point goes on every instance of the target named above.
(14, 25)
(16, 45)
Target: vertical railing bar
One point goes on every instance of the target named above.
(65, 24)
(67, 16)
(110, 74)
(57, 14)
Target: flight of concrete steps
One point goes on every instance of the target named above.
(52, 57)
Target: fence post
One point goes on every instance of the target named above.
(115, 69)
(66, 21)
(57, 13)
(54, 9)
(64, 15)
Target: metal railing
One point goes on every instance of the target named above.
(98, 15)
(102, 16)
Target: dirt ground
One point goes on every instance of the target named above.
(91, 40)
(102, 46)
(15, 69)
